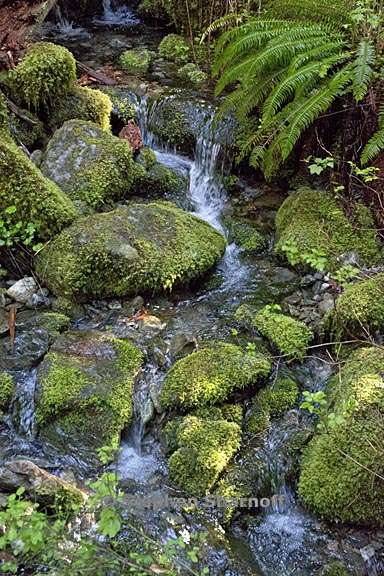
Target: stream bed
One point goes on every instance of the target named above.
(280, 540)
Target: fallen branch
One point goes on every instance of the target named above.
(98, 76)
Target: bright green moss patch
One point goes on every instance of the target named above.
(147, 158)
(211, 374)
(175, 48)
(45, 74)
(6, 390)
(359, 310)
(140, 247)
(123, 107)
(205, 447)
(193, 74)
(158, 180)
(342, 470)
(84, 104)
(271, 402)
(136, 61)
(311, 222)
(90, 165)
(290, 336)
(88, 377)
(247, 236)
(37, 199)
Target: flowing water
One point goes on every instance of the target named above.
(283, 539)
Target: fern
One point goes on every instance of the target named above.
(376, 144)
(291, 70)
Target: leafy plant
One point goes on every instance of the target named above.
(345, 274)
(291, 64)
(13, 233)
(317, 166)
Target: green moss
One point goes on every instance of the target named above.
(138, 247)
(122, 106)
(3, 113)
(86, 384)
(175, 48)
(312, 220)
(359, 310)
(24, 132)
(210, 375)
(204, 449)
(247, 236)
(147, 158)
(193, 74)
(271, 402)
(335, 568)
(153, 9)
(6, 390)
(54, 322)
(229, 412)
(136, 61)
(90, 165)
(37, 199)
(342, 471)
(158, 180)
(290, 336)
(45, 75)
(84, 104)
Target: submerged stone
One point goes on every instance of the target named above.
(84, 390)
(90, 165)
(140, 247)
(342, 469)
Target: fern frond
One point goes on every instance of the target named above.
(373, 147)
(232, 19)
(362, 67)
(336, 12)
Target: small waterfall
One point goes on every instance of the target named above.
(116, 14)
(23, 407)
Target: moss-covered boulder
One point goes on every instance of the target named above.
(342, 472)
(84, 389)
(6, 390)
(84, 104)
(136, 60)
(46, 74)
(158, 180)
(210, 375)
(34, 198)
(359, 310)
(204, 448)
(140, 247)
(91, 166)
(123, 104)
(247, 236)
(290, 336)
(175, 48)
(271, 402)
(312, 226)
(193, 74)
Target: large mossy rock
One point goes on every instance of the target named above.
(210, 375)
(90, 165)
(36, 199)
(84, 104)
(359, 310)
(311, 222)
(84, 390)
(342, 473)
(204, 448)
(45, 75)
(139, 247)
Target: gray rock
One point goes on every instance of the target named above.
(326, 305)
(23, 289)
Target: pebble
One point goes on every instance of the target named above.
(22, 290)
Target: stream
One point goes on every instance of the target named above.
(280, 540)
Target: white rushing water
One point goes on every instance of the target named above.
(23, 409)
(116, 14)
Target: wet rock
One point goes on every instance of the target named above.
(326, 304)
(40, 485)
(23, 290)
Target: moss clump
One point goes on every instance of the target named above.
(6, 390)
(123, 107)
(335, 569)
(137, 247)
(158, 180)
(342, 471)
(84, 104)
(247, 236)
(37, 199)
(290, 336)
(312, 221)
(90, 165)
(45, 75)
(54, 322)
(272, 402)
(136, 61)
(175, 48)
(3, 114)
(360, 309)
(193, 74)
(26, 133)
(204, 448)
(147, 158)
(210, 375)
(85, 386)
